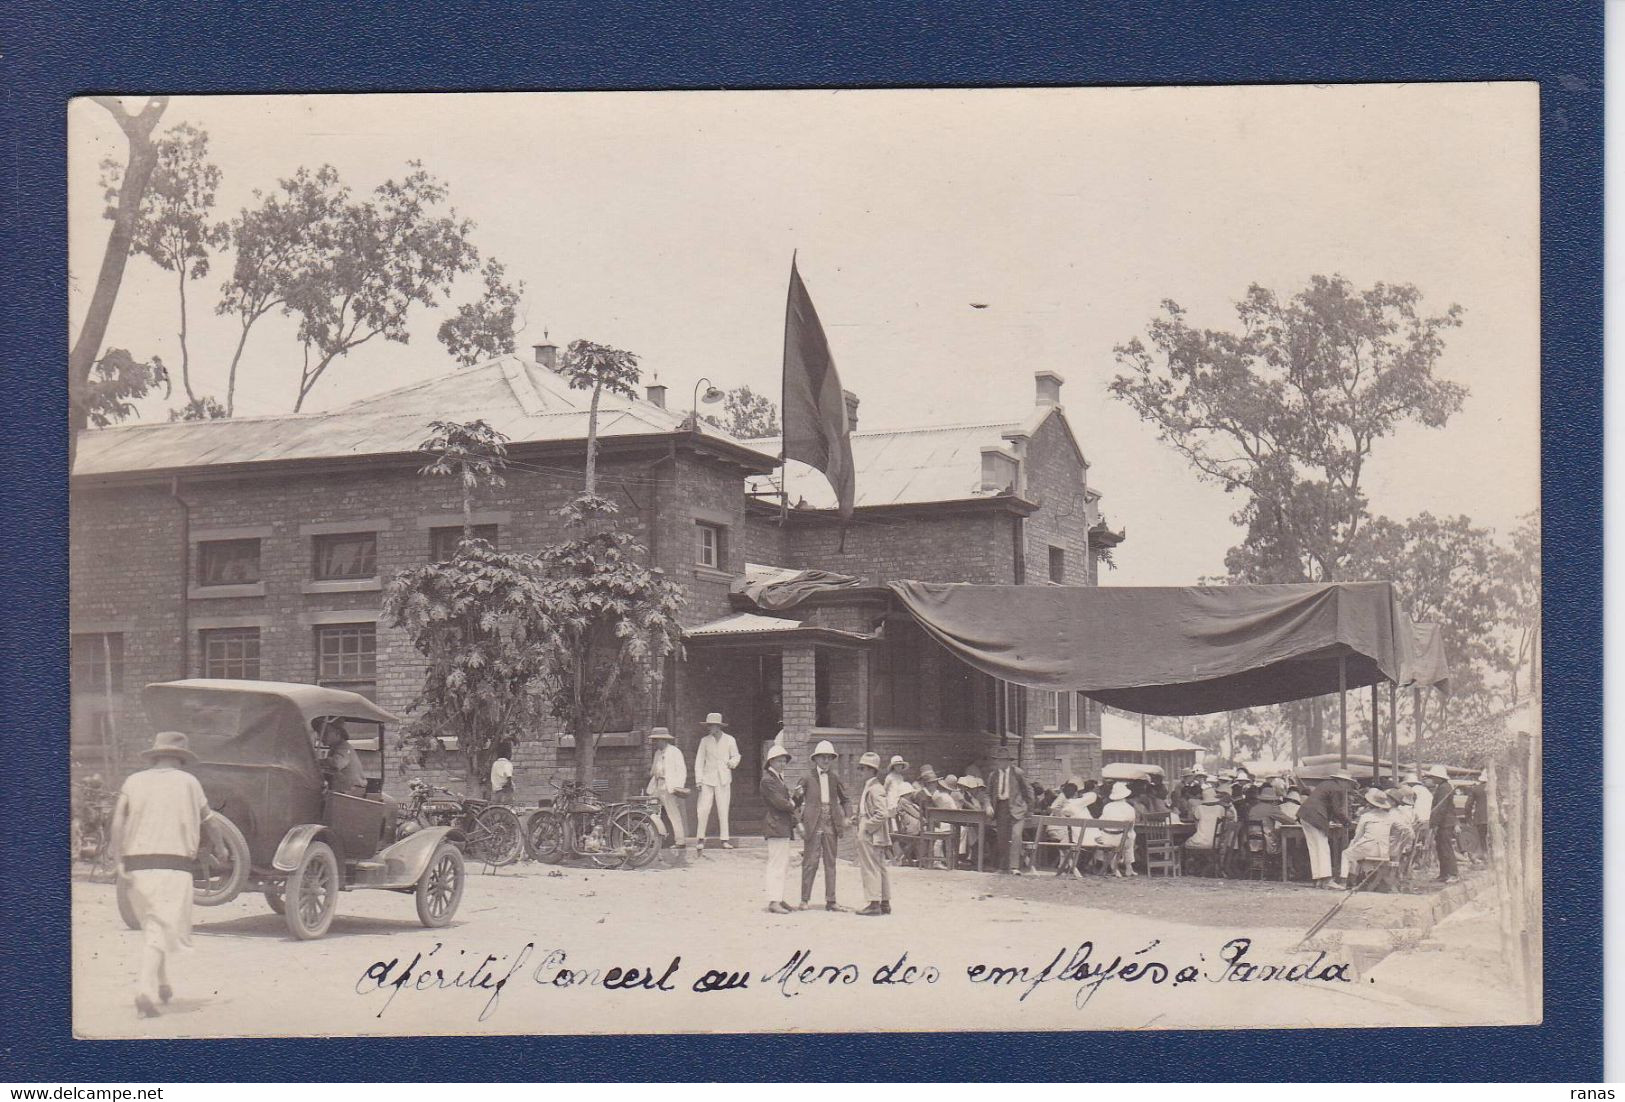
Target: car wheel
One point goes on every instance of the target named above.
(499, 837)
(222, 859)
(126, 909)
(544, 833)
(440, 888)
(273, 898)
(312, 893)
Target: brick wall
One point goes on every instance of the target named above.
(959, 547)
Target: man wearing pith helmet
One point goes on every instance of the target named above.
(873, 838)
(824, 812)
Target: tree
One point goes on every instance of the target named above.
(117, 379)
(1443, 570)
(205, 408)
(747, 415)
(610, 624)
(473, 452)
(369, 264)
(1517, 574)
(86, 351)
(1288, 409)
(173, 226)
(271, 243)
(478, 621)
(598, 367)
(484, 329)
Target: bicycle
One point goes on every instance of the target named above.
(579, 824)
(90, 828)
(492, 833)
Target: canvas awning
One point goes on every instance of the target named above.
(1171, 650)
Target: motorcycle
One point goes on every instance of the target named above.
(579, 824)
(90, 827)
(492, 833)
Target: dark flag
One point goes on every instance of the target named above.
(815, 426)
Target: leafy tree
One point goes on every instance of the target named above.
(1288, 408)
(85, 355)
(174, 226)
(473, 452)
(1517, 573)
(199, 409)
(477, 618)
(598, 367)
(116, 381)
(1444, 572)
(369, 263)
(484, 329)
(610, 624)
(271, 243)
(479, 621)
(746, 415)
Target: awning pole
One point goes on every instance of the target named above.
(1393, 723)
(1143, 758)
(1376, 739)
(1416, 708)
(1342, 713)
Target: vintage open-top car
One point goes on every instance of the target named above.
(278, 827)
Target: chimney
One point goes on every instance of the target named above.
(998, 470)
(1049, 387)
(656, 393)
(547, 354)
(851, 410)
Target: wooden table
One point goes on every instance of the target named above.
(1337, 837)
(956, 821)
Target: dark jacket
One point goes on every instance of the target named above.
(780, 819)
(1444, 806)
(1326, 805)
(812, 808)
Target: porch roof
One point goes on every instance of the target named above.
(754, 629)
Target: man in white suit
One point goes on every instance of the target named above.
(714, 763)
(668, 779)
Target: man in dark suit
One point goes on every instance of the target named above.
(778, 826)
(1443, 820)
(1012, 797)
(825, 811)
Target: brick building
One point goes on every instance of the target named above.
(260, 548)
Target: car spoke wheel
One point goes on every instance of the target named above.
(222, 859)
(440, 888)
(126, 909)
(634, 834)
(312, 893)
(544, 833)
(498, 837)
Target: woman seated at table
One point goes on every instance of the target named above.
(972, 797)
(1210, 816)
(1371, 833)
(1114, 846)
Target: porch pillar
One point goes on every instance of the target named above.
(798, 689)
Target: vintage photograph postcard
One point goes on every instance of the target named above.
(617, 563)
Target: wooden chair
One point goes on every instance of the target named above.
(1162, 856)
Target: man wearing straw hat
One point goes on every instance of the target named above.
(668, 780)
(157, 826)
(1442, 817)
(873, 838)
(714, 763)
(1010, 796)
(1326, 805)
(824, 812)
(778, 827)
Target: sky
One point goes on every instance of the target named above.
(664, 223)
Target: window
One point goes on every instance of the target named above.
(231, 652)
(709, 549)
(347, 657)
(228, 562)
(1057, 565)
(353, 555)
(1004, 706)
(443, 541)
(96, 662)
(1052, 711)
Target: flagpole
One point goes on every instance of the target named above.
(784, 403)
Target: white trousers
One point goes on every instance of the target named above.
(674, 813)
(777, 883)
(720, 795)
(1320, 851)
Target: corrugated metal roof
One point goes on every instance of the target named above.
(1123, 735)
(743, 623)
(514, 395)
(898, 467)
